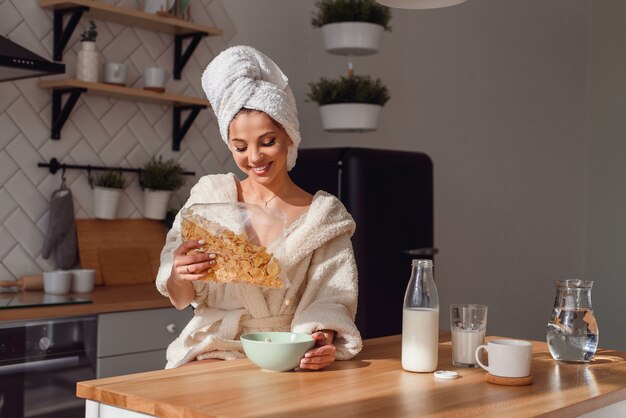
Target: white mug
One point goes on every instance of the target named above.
(115, 72)
(153, 6)
(83, 280)
(155, 77)
(507, 358)
(57, 282)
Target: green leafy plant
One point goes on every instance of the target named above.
(335, 11)
(356, 89)
(111, 179)
(162, 175)
(90, 34)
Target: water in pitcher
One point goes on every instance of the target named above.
(572, 334)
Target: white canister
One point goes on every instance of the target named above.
(83, 280)
(87, 62)
(57, 282)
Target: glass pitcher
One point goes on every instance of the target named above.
(573, 331)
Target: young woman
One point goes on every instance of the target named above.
(257, 117)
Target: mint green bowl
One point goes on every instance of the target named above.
(281, 353)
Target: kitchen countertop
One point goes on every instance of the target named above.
(105, 299)
(371, 385)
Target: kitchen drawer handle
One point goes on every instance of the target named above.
(171, 328)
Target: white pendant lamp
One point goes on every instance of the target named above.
(419, 4)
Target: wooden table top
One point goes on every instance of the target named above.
(105, 299)
(371, 385)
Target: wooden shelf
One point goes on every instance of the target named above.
(132, 17)
(74, 9)
(74, 88)
(126, 93)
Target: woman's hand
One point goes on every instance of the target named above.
(191, 267)
(186, 269)
(323, 354)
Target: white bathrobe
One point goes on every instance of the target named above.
(323, 292)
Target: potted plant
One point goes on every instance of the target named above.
(87, 58)
(349, 104)
(351, 27)
(159, 179)
(107, 189)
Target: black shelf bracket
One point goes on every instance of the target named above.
(54, 165)
(180, 57)
(61, 112)
(178, 130)
(62, 35)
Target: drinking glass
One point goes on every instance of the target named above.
(468, 324)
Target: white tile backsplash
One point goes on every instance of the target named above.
(10, 17)
(26, 157)
(25, 232)
(8, 167)
(26, 195)
(8, 131)
(7, 241)
(99, 131)
(35, 17)
(8, 205)
(118, 116)
(19, 263)
(28, 121)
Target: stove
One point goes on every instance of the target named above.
(34, 299)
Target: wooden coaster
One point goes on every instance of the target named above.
(156, 89)
(509, 381)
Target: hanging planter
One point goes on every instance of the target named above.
(352, 38)
(107, 190)
(87, 61)
(351, 27)
(350, 117)
(160, 178)
(349, 104)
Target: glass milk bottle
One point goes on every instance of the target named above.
(420, 320)
(573, 330)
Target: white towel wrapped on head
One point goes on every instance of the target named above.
(242, 77)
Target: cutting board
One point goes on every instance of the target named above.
(122, 251)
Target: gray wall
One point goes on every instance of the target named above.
(606, 213)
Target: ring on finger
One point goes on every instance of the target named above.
(188, 271)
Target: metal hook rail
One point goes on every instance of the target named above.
(54, 165)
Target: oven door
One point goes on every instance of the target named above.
(41, 381)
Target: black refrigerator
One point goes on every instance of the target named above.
(390, 196)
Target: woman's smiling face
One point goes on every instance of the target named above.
(259, 145)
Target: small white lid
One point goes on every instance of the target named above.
(446, 374)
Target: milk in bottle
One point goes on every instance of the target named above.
(420, 320)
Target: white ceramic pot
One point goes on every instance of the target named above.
(350, 117)
(352, 38)
(105, 202)
(420, 4)
(87, 62)
(156, 203)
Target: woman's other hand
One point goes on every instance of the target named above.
(323, 354)
(191, 267)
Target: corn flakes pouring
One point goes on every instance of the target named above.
(237, 259)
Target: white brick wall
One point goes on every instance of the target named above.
(100, 130)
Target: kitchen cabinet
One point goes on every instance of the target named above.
(136, 341)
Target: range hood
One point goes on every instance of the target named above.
(17, 62)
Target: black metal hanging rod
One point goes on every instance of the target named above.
(54, 165)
